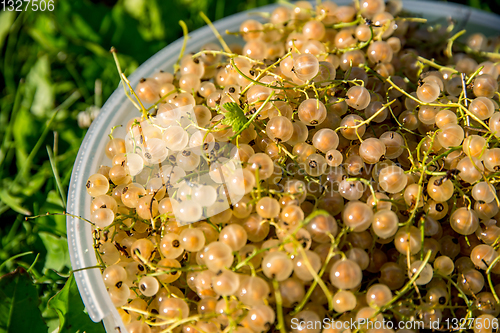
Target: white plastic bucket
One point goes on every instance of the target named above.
(118, 110)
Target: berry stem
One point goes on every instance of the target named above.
(330, 255)
(162, 99)
(279, 307)
(252, 118)
(403, 290)
(357, 47)
(63, 214)
(120, 73)
(348, 24)
(185, 34)
(433, 64)
(488, 277)
(145, 113)
(449, 46)
(216, 33)
(367, 183)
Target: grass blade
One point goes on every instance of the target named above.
(60, 188)
(27, 166)
(13, 203)
(6, 137)
(34, 262)
(15, 257)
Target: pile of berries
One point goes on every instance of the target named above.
(342, 164)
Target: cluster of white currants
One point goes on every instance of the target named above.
(167, 154)
(328, 169)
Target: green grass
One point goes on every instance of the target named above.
(50, 65)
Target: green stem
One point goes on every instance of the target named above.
(216, 33)
(252, 118)
(403, 290)
(488, 276)
(279, 307)
(185, 33)
(448, 51)
(15, 257)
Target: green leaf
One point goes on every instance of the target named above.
(25, 132)
(32, 185)
(44, 32)
(69, 306)
(57, 251)
(52, 223)
(84, 29)
(13, 202)
(50, 315)
(6, 20)
(152, 28)
(35, 182)
(19, 304)
(234, 117)
(135, 8)
(39, 86)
